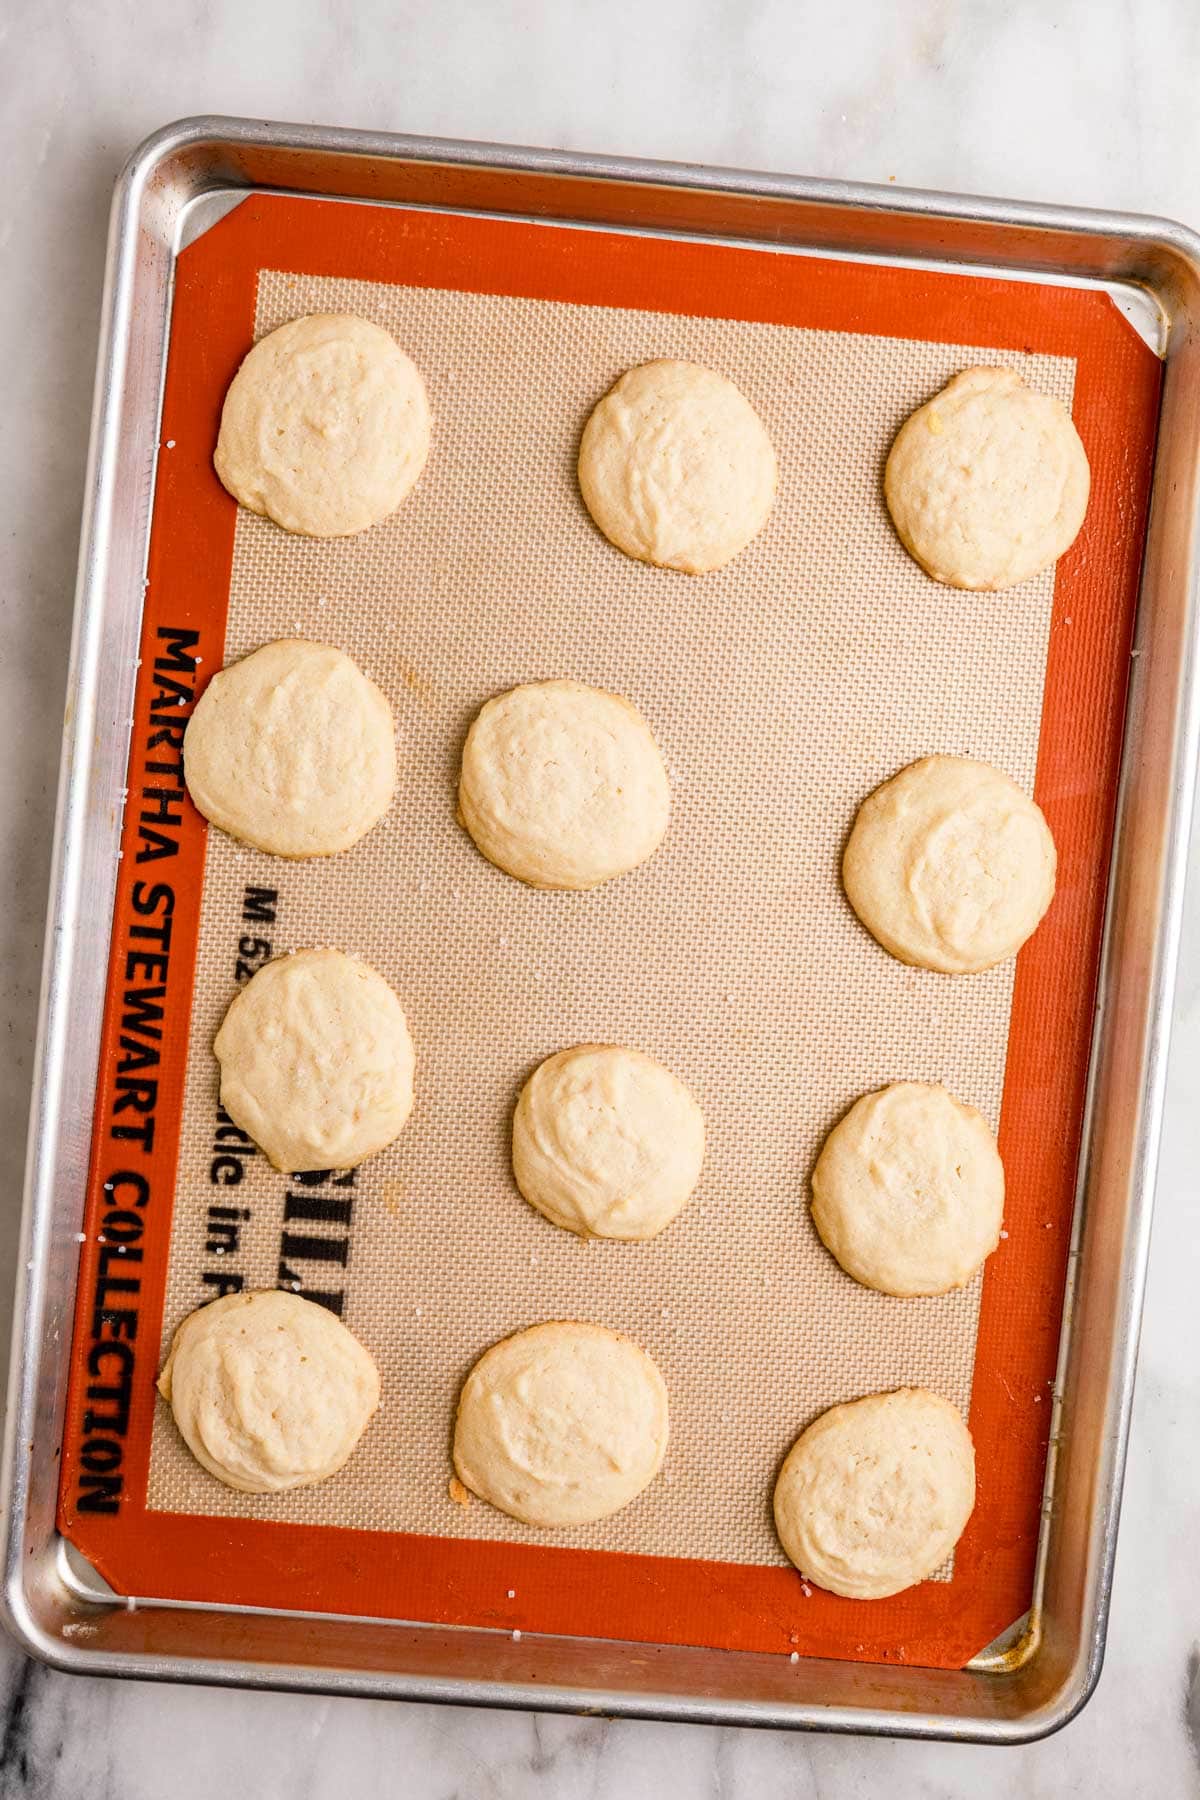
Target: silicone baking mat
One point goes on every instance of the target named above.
(782, 690)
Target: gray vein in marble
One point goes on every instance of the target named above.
(15, 1767)
(1191, 1703)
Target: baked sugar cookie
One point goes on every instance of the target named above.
(606, 1142)
(908, 1192)
(293, 750)
(950, 865)
(316, 1061)
(561, 1424)
(676, 468)
(563, 785)
(987, 483)
(325, 427)
(874, 1495)
(269, 1390)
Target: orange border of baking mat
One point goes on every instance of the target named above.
(584, 1592)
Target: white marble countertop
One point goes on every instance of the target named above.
(1085, 101)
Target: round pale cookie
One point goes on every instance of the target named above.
(908, 1192)
(873, 1497)
(316, 1061)
(987, 483)
(325, 426)
(563, 785)
(293, 750)
(676, 468)
(561, 1424)
(607, 1142)
(950, 865)
(269, 1391)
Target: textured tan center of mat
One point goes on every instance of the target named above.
(781, 690)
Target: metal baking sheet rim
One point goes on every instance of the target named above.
(1037, 1677)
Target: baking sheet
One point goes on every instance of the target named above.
(782, 690)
